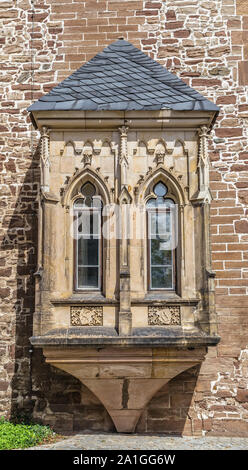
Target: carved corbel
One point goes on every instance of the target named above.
(45, 159)
(159, 158)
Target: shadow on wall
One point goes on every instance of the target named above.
(39, 392)
(169, 410)
(18, 247)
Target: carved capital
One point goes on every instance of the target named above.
(45, 131)
(123, 131)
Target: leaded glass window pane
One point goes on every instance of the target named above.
(87, 212)
(161, 221)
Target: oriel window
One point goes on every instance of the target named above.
(161, 227)
(88, 215)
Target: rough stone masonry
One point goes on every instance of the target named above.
(206, 44)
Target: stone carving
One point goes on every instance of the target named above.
(159, 158)
(77, 151)
(45, 159)
(123, 158)
(87, 158)
(164, 315)
(86, 316)
(204, 195)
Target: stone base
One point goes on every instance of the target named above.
(124, 379)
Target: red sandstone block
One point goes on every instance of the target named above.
(221, 203)
(242, 395)
(232, 283)
(239, 167)
(125, 6)
(217, 265)
(228, 99)
(127, 28)
(239, 37)
(184, 33)
(170, 15)
(226, 194)
(146, 12)
(134, 20)
(195, 52)
(241, 185)
(191, 74)
(93, 21)
(243, 73)
(223, 219)
(224, 238)
(169, 41)
(136, 36)
(215, 176)
(241, 226)
(174, 25)
(238, 247)
(168, 51)
(148, 41)
(218, 247)
(231, 211)
(238, 291)
(153, 5)
(37, 17)
(97, 36)
(243, 155)
(229, 274)
(229, 132)
(221, 291)
(234, 23)
(230, 122)
(63, 9)
(217, 186)
(4, 292)
(104, 29)
(243, 107)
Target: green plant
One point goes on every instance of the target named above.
(19, 436)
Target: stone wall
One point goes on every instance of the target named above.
(206, 44)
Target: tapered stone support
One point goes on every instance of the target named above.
(124, 379)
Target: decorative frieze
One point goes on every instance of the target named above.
(86, 315)
(164, 315)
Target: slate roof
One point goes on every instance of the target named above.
(122, 77)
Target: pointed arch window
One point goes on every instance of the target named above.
(88, 239)
(161, 231)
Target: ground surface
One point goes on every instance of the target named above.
(148, 442)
